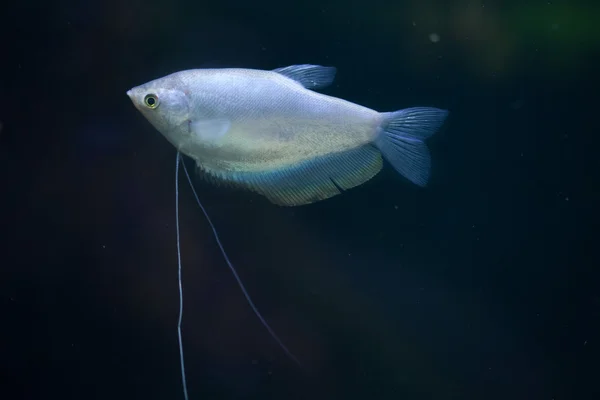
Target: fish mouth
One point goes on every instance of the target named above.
(133, 99)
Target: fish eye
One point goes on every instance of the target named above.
(151, 101)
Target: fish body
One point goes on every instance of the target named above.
(270, 132)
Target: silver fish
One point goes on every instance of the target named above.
(269, 132)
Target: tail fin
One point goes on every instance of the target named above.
(401, 140)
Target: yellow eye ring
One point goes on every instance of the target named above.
(151, 101)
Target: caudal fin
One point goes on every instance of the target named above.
(401, 140)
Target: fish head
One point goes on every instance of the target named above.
(165, 105)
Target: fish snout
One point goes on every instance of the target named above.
(134, 98)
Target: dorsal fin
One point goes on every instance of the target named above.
(309, 76)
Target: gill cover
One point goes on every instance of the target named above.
(166, 109)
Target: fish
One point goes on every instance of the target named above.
(272, 132)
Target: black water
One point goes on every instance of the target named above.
(484, 285)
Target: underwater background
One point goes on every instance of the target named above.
(484, 285)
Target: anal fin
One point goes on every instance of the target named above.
(311, 180)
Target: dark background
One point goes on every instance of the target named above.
(484, 285)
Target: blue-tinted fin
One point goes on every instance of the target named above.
(312, 180)
(309, 76)
(401, 140)
(209, 129)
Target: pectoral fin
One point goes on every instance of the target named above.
(209, 129)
